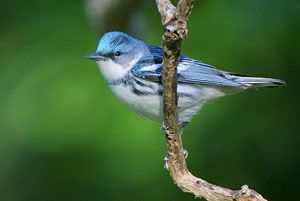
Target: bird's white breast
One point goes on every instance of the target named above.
(149, 106)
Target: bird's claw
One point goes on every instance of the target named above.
(165, 130)
(166, 165)
(185, 153)
(166, 159)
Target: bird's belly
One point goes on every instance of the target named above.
(149, 106)
(147, 101)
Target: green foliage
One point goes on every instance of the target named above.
(64, 136)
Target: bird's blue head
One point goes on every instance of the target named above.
(117, 53)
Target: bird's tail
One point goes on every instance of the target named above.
(257, 82)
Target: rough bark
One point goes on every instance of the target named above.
(174, 21)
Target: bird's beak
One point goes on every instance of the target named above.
(94, 56)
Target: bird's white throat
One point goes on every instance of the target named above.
(112, 71)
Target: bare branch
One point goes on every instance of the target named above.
(174, 21)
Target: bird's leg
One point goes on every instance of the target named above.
(163, 128)
(182, 126)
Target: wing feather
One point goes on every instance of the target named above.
(188, 70)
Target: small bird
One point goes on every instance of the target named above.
(133, 71)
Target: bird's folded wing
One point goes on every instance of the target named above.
(188, 71)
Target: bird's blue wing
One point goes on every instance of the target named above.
(193, 71)
(188, 70)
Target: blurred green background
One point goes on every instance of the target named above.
(65, 137)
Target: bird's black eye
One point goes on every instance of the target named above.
(117, 53)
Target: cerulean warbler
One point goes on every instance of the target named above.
(133, 70)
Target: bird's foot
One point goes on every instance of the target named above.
(166, 163)
(166, 159)
(166, 131)
(185, 153)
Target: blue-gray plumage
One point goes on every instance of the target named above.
(133, 69)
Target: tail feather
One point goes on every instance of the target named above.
(257, 82)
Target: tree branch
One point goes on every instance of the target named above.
(174, 21)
